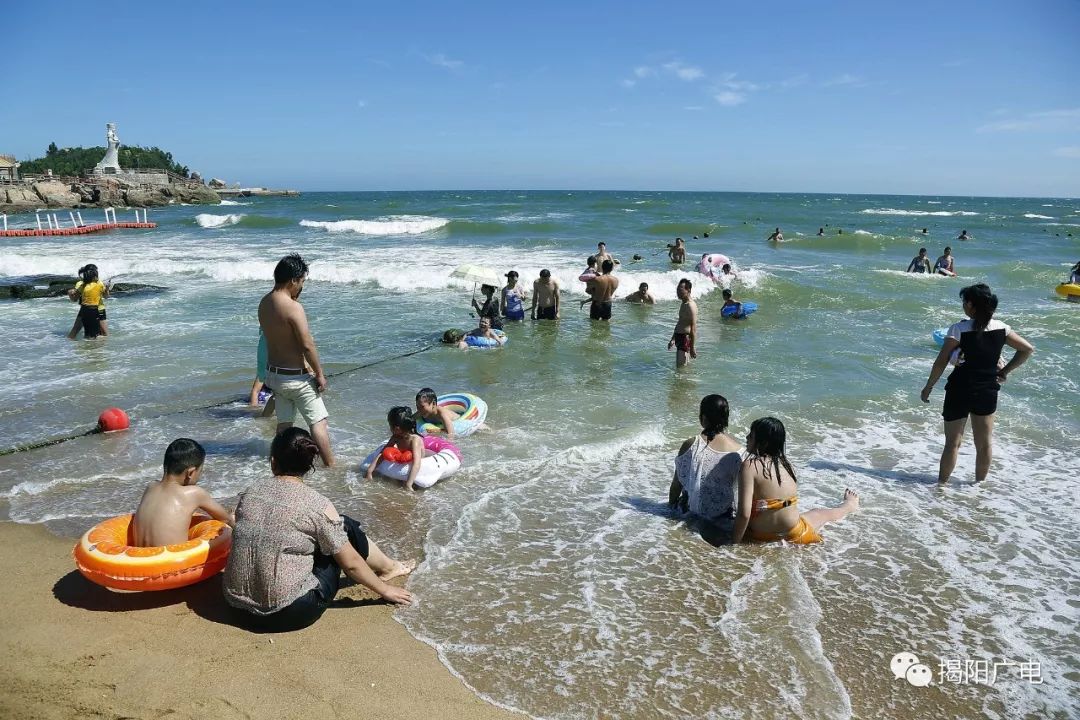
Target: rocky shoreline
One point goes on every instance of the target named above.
(100, 192)
(43, 286)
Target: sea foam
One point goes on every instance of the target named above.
(916, 213)
(207, 220)
(388, 225)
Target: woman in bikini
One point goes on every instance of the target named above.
(768, 493)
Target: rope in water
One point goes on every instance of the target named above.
(84, 433)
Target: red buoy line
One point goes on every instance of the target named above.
(80, 230)
(115, 419)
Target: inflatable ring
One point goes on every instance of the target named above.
(104, 555)
(748, 308)
(940, 335)
(1069, 290)
(471, 410)
(445, 462)
(483, 342)
(713, 261)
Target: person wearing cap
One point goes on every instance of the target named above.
(513, 298)
(545, 297)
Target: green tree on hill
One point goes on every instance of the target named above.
(75, 161)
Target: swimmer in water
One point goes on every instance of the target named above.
(777, 236)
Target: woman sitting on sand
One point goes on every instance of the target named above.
(707, 467)
(290, 545)
(768, 493)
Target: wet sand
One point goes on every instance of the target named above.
(71, 649)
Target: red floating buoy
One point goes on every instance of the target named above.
(112, 420)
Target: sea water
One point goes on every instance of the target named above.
(554, 579)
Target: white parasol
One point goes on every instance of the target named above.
(478, 274)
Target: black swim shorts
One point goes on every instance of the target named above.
(682, 341)
(964, 399)
(546, 313)
(91, 321)
(600, 311)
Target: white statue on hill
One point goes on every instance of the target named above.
(110, 164)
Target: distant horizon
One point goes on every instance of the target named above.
(713, 192)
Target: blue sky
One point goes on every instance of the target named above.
(961, 98)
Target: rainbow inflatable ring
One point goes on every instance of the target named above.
(471, 411)
(105, 556)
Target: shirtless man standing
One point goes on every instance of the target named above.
(545, 297)
(289, 345)
(602, 289)
(677, 252)
(685, 334)
(602, 255)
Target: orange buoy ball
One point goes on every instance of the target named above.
(112, 420)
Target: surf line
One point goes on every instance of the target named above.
(96, 430)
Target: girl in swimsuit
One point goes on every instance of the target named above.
(768, 493)
(404, 446)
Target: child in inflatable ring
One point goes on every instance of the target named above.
(404, 446)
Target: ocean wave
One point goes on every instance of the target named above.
(863, 232)
(501, 226)
(233, 202)
(240, 220)
(1036, 216)
(681, 229)
(207, 220)
(915, 213)
(388, 225)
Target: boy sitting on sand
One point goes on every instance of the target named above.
(164, 513)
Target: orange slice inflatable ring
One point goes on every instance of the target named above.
(105, 555)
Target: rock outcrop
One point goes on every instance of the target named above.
(40, 286)
(100, 192)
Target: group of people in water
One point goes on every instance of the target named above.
(944, 265)
(290, 544)
(496, 307)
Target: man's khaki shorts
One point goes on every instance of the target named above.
(296, 395)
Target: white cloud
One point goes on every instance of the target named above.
(643, 71)
(1063, 119)
(693, 108)
(440, 60)
(361, 103)
(628, 83)
(729, 81)
(728, 98)
(1070, 151)
(689, 73)
(844, 79)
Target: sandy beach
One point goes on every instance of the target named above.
(74, 650)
